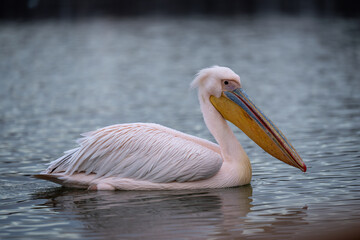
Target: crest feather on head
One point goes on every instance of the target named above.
(215, 72)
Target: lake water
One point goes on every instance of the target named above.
(61, 78)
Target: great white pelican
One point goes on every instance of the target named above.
(147, 156)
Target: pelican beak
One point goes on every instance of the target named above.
(236, 107)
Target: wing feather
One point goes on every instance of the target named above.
(141, 151)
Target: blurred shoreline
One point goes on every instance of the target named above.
(25, 10)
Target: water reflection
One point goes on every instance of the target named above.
(181, 214)
(159, 214)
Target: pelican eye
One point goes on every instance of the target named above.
(229, 85)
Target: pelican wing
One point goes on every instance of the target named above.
(141, 151)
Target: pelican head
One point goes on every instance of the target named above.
(222, 87)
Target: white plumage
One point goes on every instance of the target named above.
(140, 151)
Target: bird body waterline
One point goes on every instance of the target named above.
(147, 156)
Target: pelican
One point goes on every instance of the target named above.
(147, 156)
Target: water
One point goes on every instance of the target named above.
(59, 79)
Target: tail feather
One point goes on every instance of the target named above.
(80, 181)
(50, 177)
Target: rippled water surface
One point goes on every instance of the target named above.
(59, 79)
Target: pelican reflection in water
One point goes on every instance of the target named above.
(155, 215)
(228, 213)
(147, 156)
